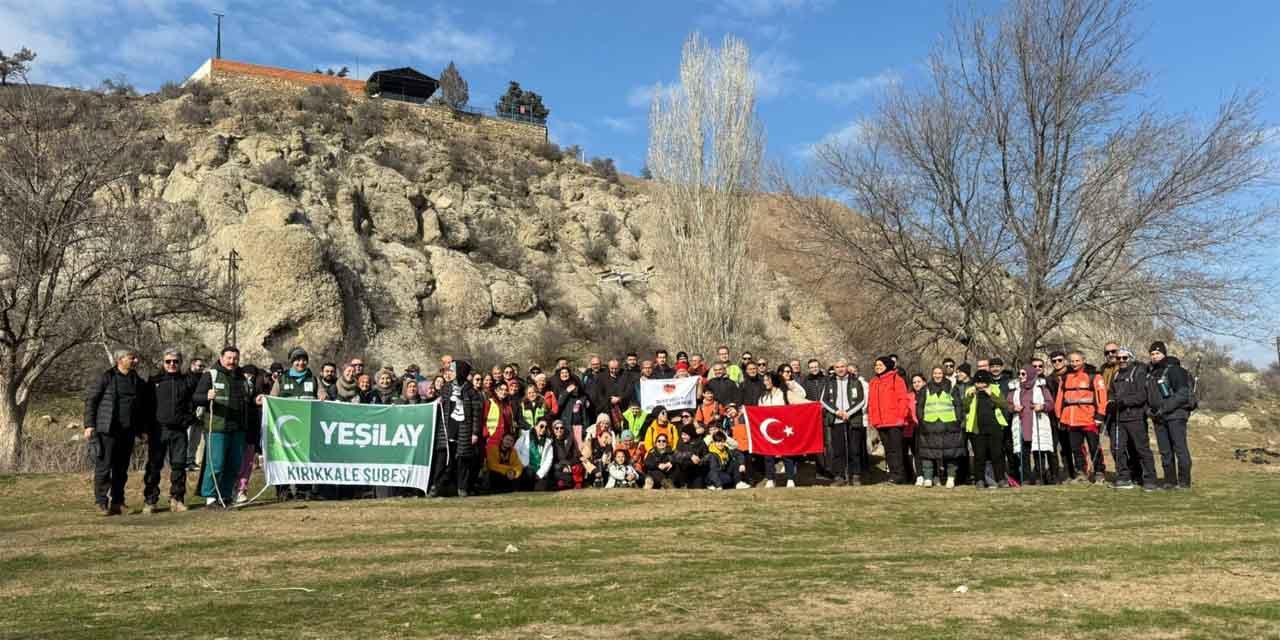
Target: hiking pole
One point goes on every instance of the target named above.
(208, 439)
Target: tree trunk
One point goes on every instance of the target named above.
(12, 415)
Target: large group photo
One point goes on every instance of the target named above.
(715, 319)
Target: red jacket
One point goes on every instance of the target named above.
(505, 422)
(889, 404)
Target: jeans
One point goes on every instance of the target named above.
(171, 445)
(771, 467)
(224, 452)
(110, 453)
(1171, 437)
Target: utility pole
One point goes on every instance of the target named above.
(1278, 351)
(229, 334)
(217, 53)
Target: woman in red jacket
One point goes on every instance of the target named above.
(889, 412)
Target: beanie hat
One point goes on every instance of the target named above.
(887, 361)
(965, 368)
(1159, 346)
(984, 376)
(298, 352)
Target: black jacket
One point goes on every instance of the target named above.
(663, 372)
(602, 387)
(654, 458)
(686, 450)
(725, 390)
(1168, 390)
(813, 386)
(460, 432)
(1128, 394)
(830, 391)
(750, 390)
(115, 403)
(174, 408)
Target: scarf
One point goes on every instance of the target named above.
(346, 390)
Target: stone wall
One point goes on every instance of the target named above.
(232, 75)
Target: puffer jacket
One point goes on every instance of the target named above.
(889, 403)
(1170, 376)
(1128, 394)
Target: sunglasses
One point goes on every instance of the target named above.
(1111, 352)
(662, 440)
(1058, 360)
(172, 361)
(1124, 358)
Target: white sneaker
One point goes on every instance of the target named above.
(791, 484)
(209, 502)
(951, 482)
(242, 497)
(919, 481)
(741, 485)
(928, 482)
(768, 484)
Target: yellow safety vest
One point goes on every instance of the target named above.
(939, 407)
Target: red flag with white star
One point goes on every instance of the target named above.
(790, 430)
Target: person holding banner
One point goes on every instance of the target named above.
(775, 395)
(227, 396)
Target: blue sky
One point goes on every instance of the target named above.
(820, 63)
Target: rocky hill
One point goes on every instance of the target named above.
(396, 231)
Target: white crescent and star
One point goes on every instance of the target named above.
(279, 429)
(787, 431)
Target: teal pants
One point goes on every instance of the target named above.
(225, 452)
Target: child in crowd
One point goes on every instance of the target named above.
(622, 475)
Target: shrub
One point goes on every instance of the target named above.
(494, 241)
(367, 121)
(596, 250)
(170, 90)
(168, 154)
(277, 174)
(401, 160)
(605, 168)
(609, 225)
(547, 151)
(323, 107)
(1221, 390)
(192, 113)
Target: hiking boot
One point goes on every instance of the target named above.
(1099, 478)
(1123, 484)
(103, 510)
(462, 493)
(791, 484)
(115, 509)
(177, 505)
(768, 484)
(741, 485)
(148, 509)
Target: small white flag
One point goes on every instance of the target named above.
(672, 393)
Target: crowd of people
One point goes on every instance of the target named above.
(504, 429)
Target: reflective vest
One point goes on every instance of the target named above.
(531, 416)
(304, 388)
(939, 407)
(494, 417)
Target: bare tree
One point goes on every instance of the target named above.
(15, 65)
(705, 149)
(1023, 188)
(83, 259)
(453, 87)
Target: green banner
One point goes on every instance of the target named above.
(316, 442)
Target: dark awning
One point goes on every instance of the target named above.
(405, 81)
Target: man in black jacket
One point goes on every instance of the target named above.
(116, 410)
(458, 438)
(1127, 398)
(174, 412)
(724, 389)
(1169, 405)
(843, 401)
(813, 381)
(752, 387)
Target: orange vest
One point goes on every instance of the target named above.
(1082, 400)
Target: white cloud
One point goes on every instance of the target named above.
(568, 132)
(445, 41)
(765, 8)
(774, 74)
(621, 125)
(641, 96)
(165, 46)
(848, 91)
(849, 134)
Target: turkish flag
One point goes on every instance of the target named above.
(789, 430)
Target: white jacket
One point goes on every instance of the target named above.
(522, 451)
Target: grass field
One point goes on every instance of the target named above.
(876, 562)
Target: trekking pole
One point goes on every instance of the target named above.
(208, 436)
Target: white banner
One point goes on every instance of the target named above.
(673, 393)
